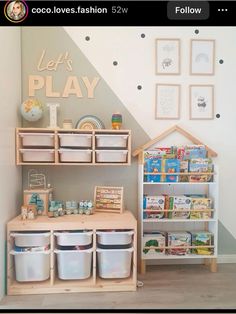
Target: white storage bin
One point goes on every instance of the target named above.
(32, 266)
(111, 155)
(111, 140)
(114, 263)
(75, 140)
(75, 155)
(114, 237)
(31, 239)
(37, 139)
(74, 238)
(73, 264)
(37, 155)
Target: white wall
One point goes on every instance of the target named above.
(10, 95)
(136, 66)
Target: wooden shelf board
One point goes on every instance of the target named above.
(178, 256)
(98, 220)
(179, 220)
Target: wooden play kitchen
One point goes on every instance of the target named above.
(43, 146)
(54, 270)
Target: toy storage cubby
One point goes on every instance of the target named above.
(42, 146)
(157, 245)
(93, 282)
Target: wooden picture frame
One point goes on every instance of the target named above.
(108, 199)
(201, 101)
(202, 57)
(167, 56)
(167, 101)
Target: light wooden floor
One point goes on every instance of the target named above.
(165, 287)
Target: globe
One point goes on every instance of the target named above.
(31, 110)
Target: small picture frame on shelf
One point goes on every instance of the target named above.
(167, 104)
(202, 57)
(201, 100)
(108, 199)
(167, 56)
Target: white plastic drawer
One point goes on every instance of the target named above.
(73, 264)
(32, 266)
(75, 155)
(31, 239)
(75, 140)
(111, 155)
(74, 238)
(37, 139)
(114, 263)
(111, 140)
(114, 237)
(37, 155)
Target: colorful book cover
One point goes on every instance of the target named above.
(153, 207)
(180, 152)
(156, 241)
(179, 241)
(194, 151)
(200, 165)
(171, 166)
(167, 204)
(181, 203)
(200, 239)
(201, 204)
(183, 169)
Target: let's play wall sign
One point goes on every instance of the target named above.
(81, 87)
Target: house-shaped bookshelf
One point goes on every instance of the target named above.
(185, 225)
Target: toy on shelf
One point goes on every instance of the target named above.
(116, 121)
(58, 208)
(86, 207)
(109, 199)
(28, 212)
(37, 193)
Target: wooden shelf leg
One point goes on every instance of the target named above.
(143, 267)
(206, 261)
(213, 265)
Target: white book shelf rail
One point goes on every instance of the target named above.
(178, 201)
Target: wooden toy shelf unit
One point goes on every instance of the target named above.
(92, 224)
(168, 220)
(45, 146)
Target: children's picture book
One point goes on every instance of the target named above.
(200, 239)
(194, 151)
(201, 204)
(171, 166)
(179, 241)
(153, 207)
(183, 169)
(200, 165)
(154, 243)
(153, 166)
(180, 203)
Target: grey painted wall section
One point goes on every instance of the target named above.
(78, 182)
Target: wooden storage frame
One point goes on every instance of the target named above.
(56, 147)
(72, 222)
(118, 210)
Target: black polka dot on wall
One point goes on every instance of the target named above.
(217, 115)
(115, 63)
(143, 35)
(196, 31)
(221, 61)
(139, 87)
(87, 38)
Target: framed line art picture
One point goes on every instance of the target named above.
(167, 56)
(167, 104)
(202, 57)
(201, 100)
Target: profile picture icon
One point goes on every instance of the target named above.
(16, 11)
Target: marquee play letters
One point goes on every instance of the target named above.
(72, 84)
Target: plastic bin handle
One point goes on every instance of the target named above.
(73, 233)
(12, 252)
(44, 234)
(115, 250)
(77, 251)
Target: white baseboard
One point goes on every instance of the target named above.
(229, 258)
